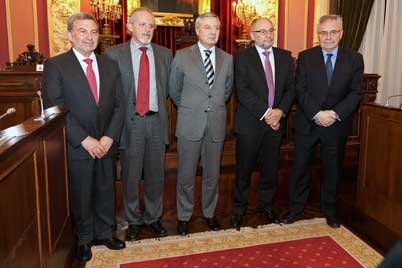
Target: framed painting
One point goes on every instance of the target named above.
(169, 12)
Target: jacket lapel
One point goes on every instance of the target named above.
(197, 58)
(74, 66)
(255, 60)
(127, 65)
(338, 66)
(159, 68)
(318, 61)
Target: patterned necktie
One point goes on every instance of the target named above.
(328, 67)
(209, 68)
(142, 101)
(90, 74)
(270, 79)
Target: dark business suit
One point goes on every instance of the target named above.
(315, 93)
(257, 141)
(144, 139)
(91, 180)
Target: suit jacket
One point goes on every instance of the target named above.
(65, 84)
(162, 58)
(313, 93)
(199, 105)
(252, 89)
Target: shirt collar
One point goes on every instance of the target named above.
(134, 45)
(333, 52)
(202, 48)
(261, 50)
(81, 57)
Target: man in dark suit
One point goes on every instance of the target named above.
(144, 68)
(89, 86)
(328, 90)
(264, 80)
(200, 85)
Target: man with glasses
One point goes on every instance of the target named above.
(200, 85)
(328, 90)
(264, 79)
(144, 68)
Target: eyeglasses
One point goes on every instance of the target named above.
(329, 33)
(264, 32)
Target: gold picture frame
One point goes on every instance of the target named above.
(170, 19)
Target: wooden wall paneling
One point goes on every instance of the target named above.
(57, 198)
(21, 244)
(380, 180)
(34, 206)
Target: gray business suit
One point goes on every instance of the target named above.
(143, 140)
(201, 124)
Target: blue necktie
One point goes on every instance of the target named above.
(328, 67)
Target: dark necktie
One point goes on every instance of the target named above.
(90, 74)
(328, 67)
(209, 68)
(270, 79)
(142, 100)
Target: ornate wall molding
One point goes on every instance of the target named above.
(58, 13)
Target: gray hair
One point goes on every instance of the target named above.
(205, 15)
(135, 11)
(329, 17)
(254, 21)
(80, 16)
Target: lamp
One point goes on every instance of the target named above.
(107, 10)
(247, 10)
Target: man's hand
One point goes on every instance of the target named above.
(106, 143)
(325, 118)
(93, 147)
(273, 118)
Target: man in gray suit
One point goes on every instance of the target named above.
(200, 84)
(144, 68)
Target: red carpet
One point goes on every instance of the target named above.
(316, 252)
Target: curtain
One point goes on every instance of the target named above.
(166, 36)
(355, 15)
(223, 9)
(391, 55)
(371, 44)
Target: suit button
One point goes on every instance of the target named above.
(209, 96)
(206, 82)
(132, 119)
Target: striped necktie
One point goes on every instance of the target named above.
(209, 68)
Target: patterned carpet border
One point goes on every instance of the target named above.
(173, 246)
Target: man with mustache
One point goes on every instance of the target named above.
(145, 70)
(264, 78)
(89, 86)
(201, 81)
(328, 90)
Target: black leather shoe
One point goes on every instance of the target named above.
(182, 227)
(84, 253)
(212, 223)
(133, 231)
(237, 221)
(333, 222)
(158, 229)
(290, 217)
(271, 216)
(112, 243)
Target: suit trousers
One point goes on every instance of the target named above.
(331, 154)
(91, 184)
(145, 155)
(262, 147)
(188, 155)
